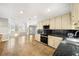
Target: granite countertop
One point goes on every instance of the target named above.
(67, 48)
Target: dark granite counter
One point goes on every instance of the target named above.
(67, 49)
(57, 32)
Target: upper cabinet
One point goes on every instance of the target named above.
(52, 23)
(66, 21)
(75, 15)
(61, 22)
(55, 23)
(58, 22)
(42, 23)
(45, 22)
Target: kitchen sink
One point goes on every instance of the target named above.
(74, 41)
(68, 47)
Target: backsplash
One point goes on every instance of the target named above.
(59, 32)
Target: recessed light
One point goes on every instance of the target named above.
(48, 10)
(16, 34)
(21, 12)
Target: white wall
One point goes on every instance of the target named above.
(4, 25)
(4, 29)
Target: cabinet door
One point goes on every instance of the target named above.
(54, 41)
(37, 37)
(75, 14)
(75, 11)
(47, 22)
(44, 22)
(55, 23)
(66, 21)
(51, 41)
(52, 23)
(58, 22)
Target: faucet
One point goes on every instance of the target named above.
(76, 33)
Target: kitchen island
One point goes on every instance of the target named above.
(67, 48)
(57, 39)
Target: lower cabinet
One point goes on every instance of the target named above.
(54, 41)
(37, 37)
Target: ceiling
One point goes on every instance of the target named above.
(31, 13)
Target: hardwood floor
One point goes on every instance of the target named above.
(24, 47)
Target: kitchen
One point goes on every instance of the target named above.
(62, 33)
(54, 33)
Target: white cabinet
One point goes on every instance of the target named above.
(54, 41)
(61, 22)
(66, 21)
(52, 23)
(42, 23)
(37, 37)
(75, 15)
(58, 22)
(45, 22)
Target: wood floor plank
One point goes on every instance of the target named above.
(15, 47)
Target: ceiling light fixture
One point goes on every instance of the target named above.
(21, 12)
(48, 10)
(16, 34)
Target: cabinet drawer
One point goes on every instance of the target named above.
(54, 41)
